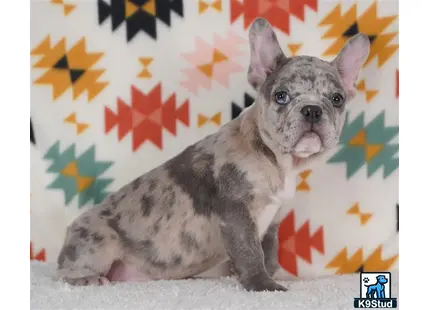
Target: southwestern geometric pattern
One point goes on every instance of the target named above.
(120, 86)
(69, 69)
(146, 117)
(139, 15)
(78, 175)
(369, 145)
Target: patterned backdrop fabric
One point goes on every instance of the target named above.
(120, 86)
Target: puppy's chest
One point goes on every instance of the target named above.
(268, 212)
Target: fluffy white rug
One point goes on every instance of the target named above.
(335, 292)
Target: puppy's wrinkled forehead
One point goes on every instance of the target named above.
(303, 75)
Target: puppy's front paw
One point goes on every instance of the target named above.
(262, 282)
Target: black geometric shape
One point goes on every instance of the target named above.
(141, 20)
(371, 37)
(237, 109)
(249, 100)
(32, 137)
(62, 63)
(116, 10)
(164, 7)
(360, 269)
(397, 214)
(75, 74)
(351, 31)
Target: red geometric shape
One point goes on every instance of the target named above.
(294, 244)
(146, 117)
(40, 256)
(277, 12)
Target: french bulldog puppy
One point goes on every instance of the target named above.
(216, 200)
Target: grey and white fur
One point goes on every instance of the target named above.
(216, 200)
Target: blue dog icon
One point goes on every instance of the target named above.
(378, 288)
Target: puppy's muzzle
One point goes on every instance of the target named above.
(312, 113)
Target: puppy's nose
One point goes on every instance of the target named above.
(312, 113)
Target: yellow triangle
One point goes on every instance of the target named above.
(294, 47)
(304, 174)
(149, 7)
(130, 8)
(206, 69)
(68, 8)
(216, 118)
(303, 186)
(370, 94)
(83, 183)
(218, 56)
(146, 61)
(217, 5)
(355, 209)
(81, 127)
(361, 86)
(71, 170)
(71, 119)
(145, 74)
(339, 260)
(372, 150)
(201, 120)
(365, 217)
(203, 6)
(359, 138)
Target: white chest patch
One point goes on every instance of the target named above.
(267, 216)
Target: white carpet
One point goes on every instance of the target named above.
(335, 292)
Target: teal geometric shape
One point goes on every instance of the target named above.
(376, 133)
(87, 166)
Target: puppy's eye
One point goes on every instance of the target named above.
(282, 97)
(337, 99)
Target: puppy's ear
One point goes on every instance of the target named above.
(351, 59)
(266, 53)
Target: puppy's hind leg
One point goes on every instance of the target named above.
(87, 255)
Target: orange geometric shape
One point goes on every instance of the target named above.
(149, 7)
(207, 69)
(346, 25)
(355, 210)
(217, 56)
(71, 170)
(81, 127)
(67, 8)
(130, 8)
(364, 218)
(68, 69)
(216, 5)
(294, 48)
(359, 138)
(71, 119)
(371, 150)
(373, 263)
(369, 93)
(297, 244)
(202, 119)
(303, 184)
(84, 182)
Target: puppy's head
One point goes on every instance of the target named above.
(301, 100)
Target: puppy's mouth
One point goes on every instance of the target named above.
(309, 143)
